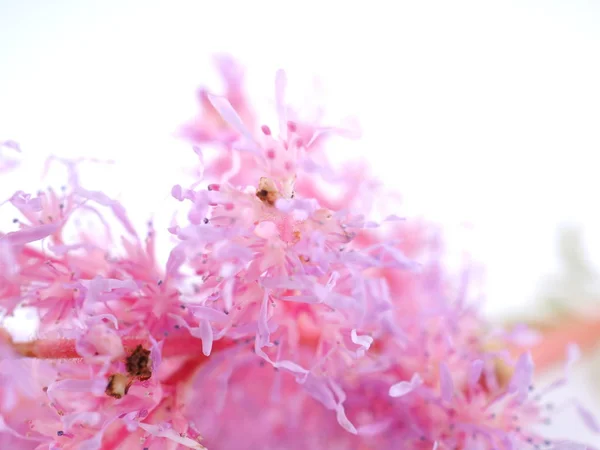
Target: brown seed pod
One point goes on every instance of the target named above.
(138, 364)
(118, 385)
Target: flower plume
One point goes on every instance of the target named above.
(284, 317)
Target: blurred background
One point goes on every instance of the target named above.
(484, 115)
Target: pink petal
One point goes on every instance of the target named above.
(224, 108)
(280, 87)
(86, 418)
(175, 261)
(206, 334)
(263, 326)
(522, 377)
(474, 374)
(116, 207)
(364, 342)
(172, 435)
(155, 353)
(32, 234)
(343, 420)
(588, 418)
(14, 145)
(446, 383)
(301, 208)
(405, 387)
(211, 314)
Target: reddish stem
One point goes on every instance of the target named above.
(174, 345)
(551, 350)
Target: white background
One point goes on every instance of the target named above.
(484, 113)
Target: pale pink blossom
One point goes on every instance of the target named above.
(7, 157)
(284, 317)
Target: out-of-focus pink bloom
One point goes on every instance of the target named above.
(209, 126)
(309, 134)
(7, 160)
(284, 317)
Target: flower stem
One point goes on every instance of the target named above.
(175, 345)
(551, 349)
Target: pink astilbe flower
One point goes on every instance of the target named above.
(284, 318)
(243, 168)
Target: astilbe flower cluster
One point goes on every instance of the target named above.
(284, 318)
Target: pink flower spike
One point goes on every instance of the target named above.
(277, 304)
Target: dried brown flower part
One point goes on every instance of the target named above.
(267, 191)
(118, 385)
(138, 364)
(138, 367)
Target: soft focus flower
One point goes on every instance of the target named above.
(210, 126)
(7, 160)
(295, 130)
(284, 318)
